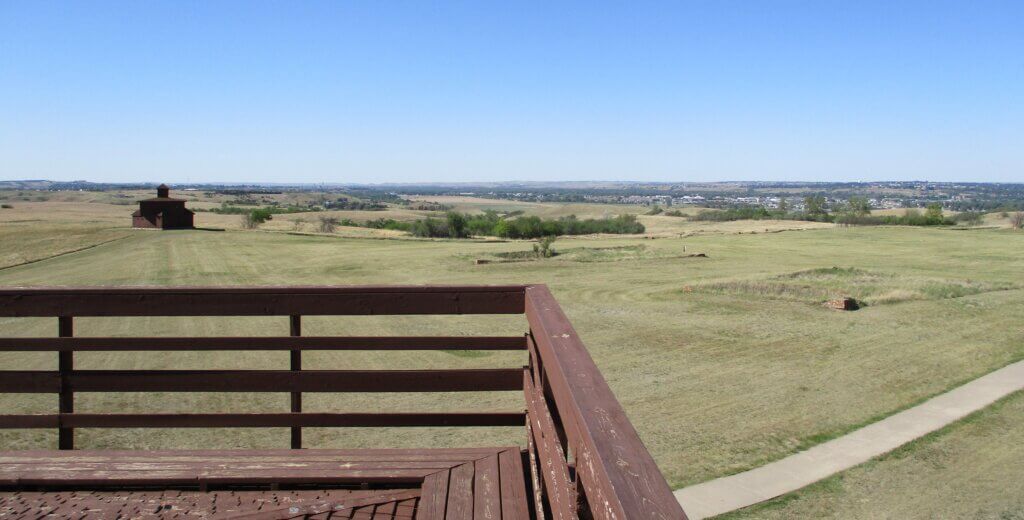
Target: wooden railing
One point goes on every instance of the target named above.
(585, 458)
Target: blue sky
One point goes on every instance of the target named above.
(463, 91)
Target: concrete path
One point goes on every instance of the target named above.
(734, 492)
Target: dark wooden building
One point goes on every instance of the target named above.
(163, 212)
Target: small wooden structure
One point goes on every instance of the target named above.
(582, 457)
(163, 212)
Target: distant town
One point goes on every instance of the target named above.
(769, 195)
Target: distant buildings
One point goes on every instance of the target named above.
(163, 212)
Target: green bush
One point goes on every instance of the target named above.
(970, 218)
(254, 218)
(543, 247)
(489, 223)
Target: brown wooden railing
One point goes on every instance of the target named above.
(585, 458)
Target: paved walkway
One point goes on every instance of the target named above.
(734, 492)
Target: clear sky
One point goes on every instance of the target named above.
(379, 91)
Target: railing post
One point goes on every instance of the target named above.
(65, 364)
(295, 324)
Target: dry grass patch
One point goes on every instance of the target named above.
(868, 287)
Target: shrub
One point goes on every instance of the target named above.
(254, 218)
(429, 228)
(970, 218)
(456, 225)
(543, 247)
(655, 210)
(383, 223)
(738, 213)
(815, 207)
(327, 224)
(6, 206)
(1017, 220)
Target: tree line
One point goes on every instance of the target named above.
(490, 223)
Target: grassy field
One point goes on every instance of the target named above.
(723, 362)
(971, 469)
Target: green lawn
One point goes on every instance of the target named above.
(716, 381)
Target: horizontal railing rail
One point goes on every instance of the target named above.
(460, 380)
(261, 420)
(260, 301)
(140, 344)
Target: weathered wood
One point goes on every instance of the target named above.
(215, 466)
(406, 509)
(385, 500)
(147, 503)
(460, 493)
(434, 496)
(295, 363)
(30, 382)
(461, 454)
(486, 489)
(535, 479)
(513, 487)
(143, 344)
(551, 460)
(261, 420)
(290, 476)
(569, 404)
(260, 301)
(466, 380)
(619, 475)
(65, 365)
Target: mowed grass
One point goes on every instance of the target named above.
(970, 469)
(714, 382)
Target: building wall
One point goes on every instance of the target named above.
(165, 215)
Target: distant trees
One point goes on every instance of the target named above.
(327, 224)
(254, 218)
(933, 213)
(1017, 220)
(814, 206)
(456, 225)
(859, 206)
(463, 225)
(970, 218)
(740, 213)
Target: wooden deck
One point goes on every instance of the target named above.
(583, 459)
(485, 483)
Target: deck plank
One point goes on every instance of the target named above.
(385, 511)
(487, 489)
(460, 493)
(514, 505)
(281, 452)
(434, 498)
(406, 509)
